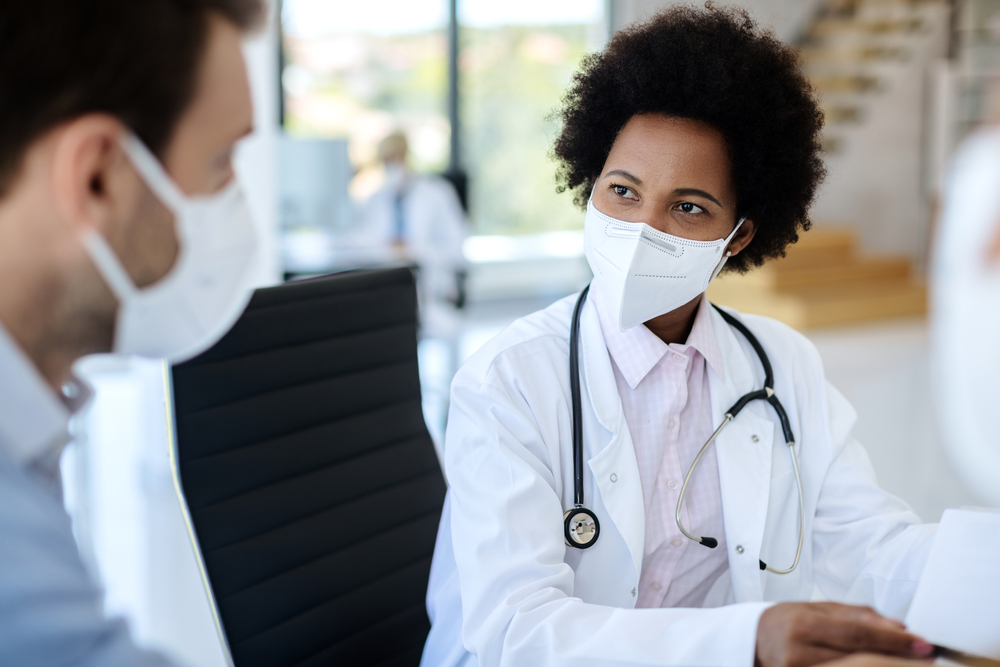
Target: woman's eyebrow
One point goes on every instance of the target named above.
(681, 192)
(624, 174)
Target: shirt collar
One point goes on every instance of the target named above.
(638, 350)
(34, 420)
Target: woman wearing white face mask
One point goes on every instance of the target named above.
(692, 140)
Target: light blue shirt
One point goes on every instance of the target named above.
(50, 611)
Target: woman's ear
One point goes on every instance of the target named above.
(742, 237)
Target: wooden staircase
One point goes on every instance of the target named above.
(852, 52)
(823, 281)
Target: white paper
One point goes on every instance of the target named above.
(957, 603)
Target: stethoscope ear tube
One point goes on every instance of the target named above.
(574, 389)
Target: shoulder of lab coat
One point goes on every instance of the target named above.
(504, 461)
(437, 224)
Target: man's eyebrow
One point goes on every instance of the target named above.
(681, 192)
(624, 174)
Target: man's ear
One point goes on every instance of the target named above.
(93, 183)
(742, 238)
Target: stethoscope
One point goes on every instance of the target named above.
(581, 527)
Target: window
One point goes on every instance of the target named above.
(360, 70)
(516, 59)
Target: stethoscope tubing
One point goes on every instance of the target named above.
(707, 541)
(574, 388)
(766, 394)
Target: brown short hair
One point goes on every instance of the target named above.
(134, 59)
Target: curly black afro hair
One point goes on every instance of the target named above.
(716, 66)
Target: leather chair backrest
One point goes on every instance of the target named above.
(311, 483)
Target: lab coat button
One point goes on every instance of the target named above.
(739, 548)
(614, 477)
(755, 438)
(633, 592)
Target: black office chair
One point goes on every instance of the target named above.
(310, 483)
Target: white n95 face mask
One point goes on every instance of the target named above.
(643, 273)
(207, 288)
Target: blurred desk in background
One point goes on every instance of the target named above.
(549, 265)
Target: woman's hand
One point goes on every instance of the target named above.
(799, 634)
(871, 660)
(993, 251)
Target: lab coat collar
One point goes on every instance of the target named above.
(599, 378)
(743, 450)
(738, 376)
(623, 501)
(744, 456)
(637, 351)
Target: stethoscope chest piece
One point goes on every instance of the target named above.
(580, 528)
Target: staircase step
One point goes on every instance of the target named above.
(829, 308)
(825, 27)
(845, 83)
(841, 113)
(782, 277)
(820, 246)
(850, 55)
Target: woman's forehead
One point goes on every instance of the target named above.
(658, 148)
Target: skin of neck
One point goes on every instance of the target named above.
(675, 326)
(53, 304)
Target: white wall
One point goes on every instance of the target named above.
(787, 17)
(878, 182)
(257, 158)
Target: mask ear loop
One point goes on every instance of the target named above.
(108, 265)
(156, 178)
(728, 254)
(152, 172)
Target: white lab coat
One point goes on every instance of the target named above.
(434, 223)
(434, 230)
(504, 588)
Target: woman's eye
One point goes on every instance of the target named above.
(688, 207)
(625, 192)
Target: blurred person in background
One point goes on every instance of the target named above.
(965, 353)
(122, 229)
(421, 217)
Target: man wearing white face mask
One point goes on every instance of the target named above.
(640, 478)
(122, 229)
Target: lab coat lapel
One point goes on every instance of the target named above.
(744, 455)
(622, 498)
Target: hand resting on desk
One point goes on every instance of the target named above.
(799, 634)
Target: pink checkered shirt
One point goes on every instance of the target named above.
(664, 392)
